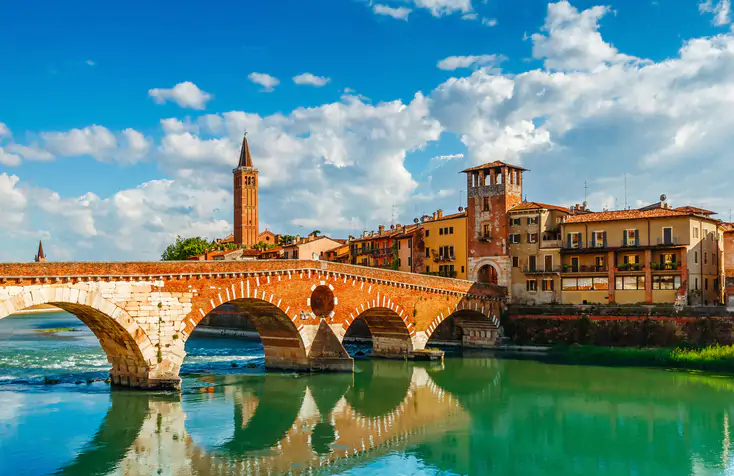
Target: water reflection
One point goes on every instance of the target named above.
(466, 416)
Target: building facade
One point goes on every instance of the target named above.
(310, 248)
(535, 252)
(411, 249)
(652, 255)
(246, 228)
(492, 190)
(446, 244)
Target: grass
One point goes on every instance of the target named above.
(57, 329)
(714, 358)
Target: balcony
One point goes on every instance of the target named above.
(567, 268)
(540, 270)
(550, 243)
(670, 241)
(442, 258)
(655, 266)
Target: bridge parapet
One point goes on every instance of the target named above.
(143, 313)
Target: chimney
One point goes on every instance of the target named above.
(439, 212)
(381, 229)
(365, 234)
(434, 215)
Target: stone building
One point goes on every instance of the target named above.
(655, 254)
(374, 249)
(246, 229)
(535, 252)
(40, 256)
(446, 244)
(492, 190)
(727, 230)
(310, 248)
(411, 248)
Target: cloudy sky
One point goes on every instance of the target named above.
(120, 124)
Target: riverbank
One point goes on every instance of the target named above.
(40, 309)
(714, 358)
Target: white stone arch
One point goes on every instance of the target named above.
(501, 265)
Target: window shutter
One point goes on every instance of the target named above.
(605, 239)
(570, 243)
(626, 259)
(625, 240)
(593, 239)
(637, 237)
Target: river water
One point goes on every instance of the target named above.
(469, 415)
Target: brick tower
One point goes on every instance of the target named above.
(246, 226)
(40, 256)
(492, 190)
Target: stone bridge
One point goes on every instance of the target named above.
(143, 313)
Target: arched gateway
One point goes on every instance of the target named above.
(143, 313)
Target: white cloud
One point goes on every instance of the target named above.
(6, 158)
(4, 131)
(456, 62)
(470, 16)
(90, 63)
(444, 158)
(265, 80)
(398, 13)
(186, 95)
(440, 8)
(720, 8)
(14, 201)
(30, 152)
(174, 126)
(572, 40)
(311, 80)
(98, 142)
(489, 21)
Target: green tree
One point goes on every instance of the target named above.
(185, 248)
(316, 232)
(286, 239)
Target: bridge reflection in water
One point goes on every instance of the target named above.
(468, 416)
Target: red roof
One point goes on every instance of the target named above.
(626, 215)
(696, 210)
(537, 206)
(490, 165)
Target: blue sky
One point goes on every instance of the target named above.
(120, 123)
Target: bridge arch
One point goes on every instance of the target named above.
(128, 348)
(472, 325)
(285, 342)
(392, 334)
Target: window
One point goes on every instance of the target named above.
(585, 284)
(600, 284)
(696, 284)
(558, 221)
(667, 236)
(669, 283)
(695, 257)
(531, 263)
(599, 239)
(630, 283)
(514, 238)
(575, 264)
(531, 285)
(695, 232)
(427, 233)
(630, 238)
(574, 240)
(486, 204)
(547, 285)
(570, 284)
(599, 261)
(451, 230)
(486, 231)
(440, 231)
(462, 269)
(532, 220)
(410, 243)
(532, 237)
(428, 252)
(410, 261)
(706, 284)
(631, 259)
(399, 262)
(549, 262)
(428, 269)
(514, 222)
(515, 262)
(705, 257)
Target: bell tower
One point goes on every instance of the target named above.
(246, 226)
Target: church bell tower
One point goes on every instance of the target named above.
(246, 226)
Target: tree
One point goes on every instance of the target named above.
(262, 246)
(316, 232)
(185, 248)
(286, 239)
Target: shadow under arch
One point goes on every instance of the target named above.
(282, 340)
(279, 401)
(380, 386)
(390, 334)
(465, 328)
(128, 348)
(115, 437)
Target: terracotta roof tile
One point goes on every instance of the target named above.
(496, 163)
(626, 215)
(537, 206)
(695, 210)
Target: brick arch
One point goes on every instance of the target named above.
(484, 309)
(281, 329)
(126, 345)
(392, 333)
(380, 301)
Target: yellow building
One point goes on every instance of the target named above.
(535, 252)
(445, 244)
(651, 255)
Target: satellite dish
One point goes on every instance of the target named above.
(663, 197)
(585, 204)
(461, 209)
(392, 227)
(415, 220)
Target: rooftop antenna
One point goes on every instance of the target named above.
(392, 218)
(625, 190)
(461, 198)
(586, 190)
(730, 215)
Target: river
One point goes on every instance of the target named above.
(470, 415)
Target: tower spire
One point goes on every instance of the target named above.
(245, 157)
(40, 256)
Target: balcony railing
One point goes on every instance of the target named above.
(671, 241)
(665, 266)
(541, 270)
(567, 268)
(444, 258)
(550, 243)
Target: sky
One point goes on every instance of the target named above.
(120, 123)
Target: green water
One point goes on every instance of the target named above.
(470, 415)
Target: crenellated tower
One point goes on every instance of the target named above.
(246, 228)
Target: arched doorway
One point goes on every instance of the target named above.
(487, 274)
